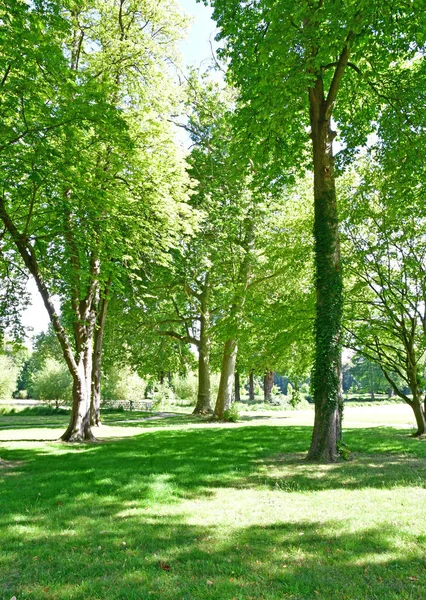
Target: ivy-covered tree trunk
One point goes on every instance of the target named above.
(251, 386)
(204, 406)
(268, 384)
(327, 372)
(95, 409)
(237, 387)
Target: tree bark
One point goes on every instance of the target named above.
(79, 428)
(95, 409)
(226, 384)
(237, 387)
(420, 416)
(203, 406)
(416, 403)
(268, 384)
(251, 386)
(327, 371)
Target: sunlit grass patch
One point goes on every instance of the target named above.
(195, 511)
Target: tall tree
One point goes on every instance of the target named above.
(88, 157)
(301, 65)
(386, 281)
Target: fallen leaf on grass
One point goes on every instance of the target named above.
(412, 578)
(210, 582)
(164, 566)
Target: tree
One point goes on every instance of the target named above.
(89, 161)
(298, 66)
(386, 249)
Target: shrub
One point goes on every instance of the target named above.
(162, 395)
(53, 382)
(121, 383)
(186, 388)
(231, 414)
(8, 376)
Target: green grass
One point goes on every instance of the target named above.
(185, 510)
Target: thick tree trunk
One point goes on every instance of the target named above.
(226, 384)
(268, 384)
(237, 387)
(251, 386)
(416, 402)
(79, 429)
(95, 409)
(327, 372)
(419, 415)
(204, 406)
(161, 377)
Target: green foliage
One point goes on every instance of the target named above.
(8, 376)
(231, 414)
(343, 451)
(186, 387)
(52, 382)
(162, 395)
(121, 383)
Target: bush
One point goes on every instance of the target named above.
(162, 395)
(232, 414)
(8, 376)
(186, 388)
(43, 411)
(53, 382)
(121, 383)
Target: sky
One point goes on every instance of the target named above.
(196, 50)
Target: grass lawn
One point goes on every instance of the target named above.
(175, 508)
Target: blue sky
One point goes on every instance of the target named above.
(196, 47)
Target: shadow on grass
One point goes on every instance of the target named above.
(97, 554)
(65, 512)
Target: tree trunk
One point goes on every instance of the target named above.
(251, 386)
(327, 371)
(419, 415)
(226, 384)
(161, 377)
(95, 409)
(204, 406)
(268, 384)
(237, 387)
(79, 428)
(416, 402)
